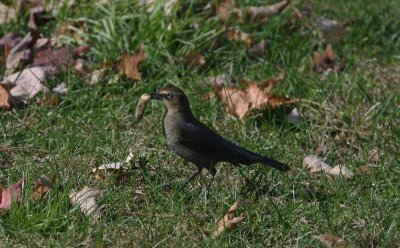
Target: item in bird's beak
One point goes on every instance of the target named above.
(141, 106)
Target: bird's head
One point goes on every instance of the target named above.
(173, 98)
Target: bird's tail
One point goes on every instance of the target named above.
(248, 158)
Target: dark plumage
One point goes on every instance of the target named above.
(195, 142)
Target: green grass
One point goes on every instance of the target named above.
(95, 125)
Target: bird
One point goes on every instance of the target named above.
(195, 142)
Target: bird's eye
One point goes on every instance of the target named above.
(169, 95)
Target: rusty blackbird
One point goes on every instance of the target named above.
(195, 142)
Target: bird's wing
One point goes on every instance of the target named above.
(201, 139)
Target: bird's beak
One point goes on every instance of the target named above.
(156, 96)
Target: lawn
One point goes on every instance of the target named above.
(349, 116)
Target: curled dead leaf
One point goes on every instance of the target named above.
(10, 195)
(117, 169)
(227, 9)
(5, 96)
(86, 199)
(228, 222)
(27, 84)
(332, 241)
(316, 165)
(327, 60)
(42, 186)
(238, 35)
(130, 63)
(262, 13)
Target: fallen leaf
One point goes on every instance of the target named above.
(227, 9)
(81, 67)
(374, 154)
(130, 63)
(316, 165)
(86, 199)
(61, 89)
(60, 58)
(96, 76)
(263, 13)
(117, 169)
(21, 53)
(27, 83)
(327, 60)
(42, 186)
(241, 102)
(12, 39)
(228, 222)
(5, 96)
(240, 36)
(9, 195)
(365, 169)
(332, 241)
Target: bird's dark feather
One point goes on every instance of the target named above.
(218, 148)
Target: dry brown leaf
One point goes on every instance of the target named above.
(332, 241)
(228, 222)
(262, 13)
(118, 169)
(60, 58)
(5, 96)
(86, 199)
(10, 195)
(226, 9)
(241, 102)
(42, 186)
(130, 63)
(238, 35)
(365, 169)
(327, 60)
(26, 84)
(316, 165)
(21, 52)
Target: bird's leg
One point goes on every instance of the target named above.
(198, 171)
(213, 172)
(241, 173)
